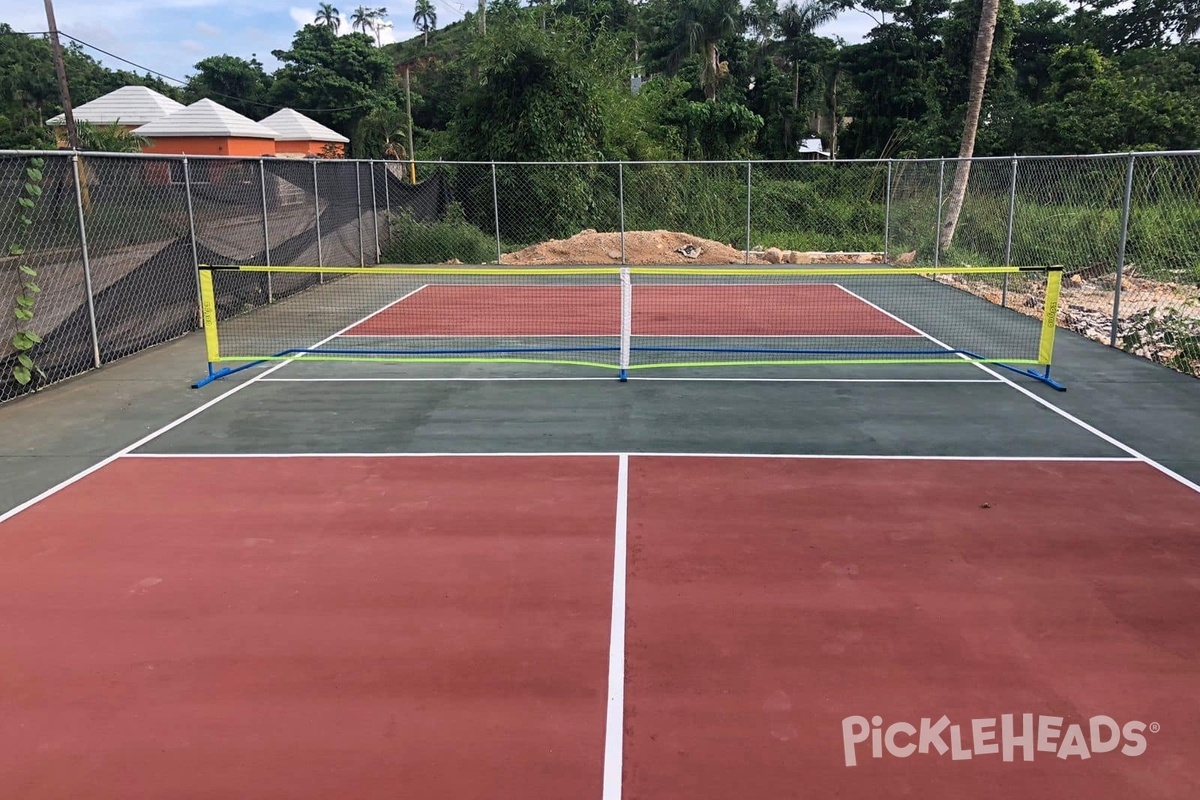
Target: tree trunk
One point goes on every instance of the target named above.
(833, 121)
(789, 119)
(714, 73)
(979, 71)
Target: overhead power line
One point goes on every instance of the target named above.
(181, 82)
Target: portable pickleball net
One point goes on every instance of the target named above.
(628, 319)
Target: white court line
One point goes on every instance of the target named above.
(614, 728)
(633, 335)
(632, 378)
(127, 450)
(635, 454)
(644, 283)
(1042, 401)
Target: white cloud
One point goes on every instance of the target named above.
(192, 46)
(302, 16)
(851, 26)
(204, 29)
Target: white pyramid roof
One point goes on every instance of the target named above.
(206, 118)
(292, 126)
(129, 105)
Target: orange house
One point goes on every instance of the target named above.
(130, 107)
(206, 128)
(300, 136)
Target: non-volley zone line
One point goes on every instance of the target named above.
(748, 310)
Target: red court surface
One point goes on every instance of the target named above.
(309, 628)
(772, 600)
(658, 310)
(374, 627)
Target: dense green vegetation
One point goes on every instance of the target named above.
(552, 80)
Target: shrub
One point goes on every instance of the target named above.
(438, 242)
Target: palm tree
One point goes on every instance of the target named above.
(980, 60)
(329, 16)
(701, 26)
(112, 138)
(361, 19)
(797, 23)
(425, 18)
(762, 17)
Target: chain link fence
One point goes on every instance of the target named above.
(111, 242)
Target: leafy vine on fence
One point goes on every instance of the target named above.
(25, 370)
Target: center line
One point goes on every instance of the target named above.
(614, 733)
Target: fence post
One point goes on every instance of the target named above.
(262, 182)
(621, 203)
(375, 212)
(887, 216)
(1012, 213)
(317, 214)
(937, 232)
(358, 196)
(496, 210)
(87, 263)
(187, 192)
(748, 212)
(1116, 315)
(387, 200)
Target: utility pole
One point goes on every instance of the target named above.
(64, 93)
(482, 17)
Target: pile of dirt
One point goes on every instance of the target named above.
(666, 248)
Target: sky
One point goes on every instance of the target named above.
(170, 36)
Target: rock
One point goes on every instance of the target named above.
(1077, 280)
(796, 257)
(689, 251)
(588, 232)
(614, 255)
(773, 255)
(907, 258)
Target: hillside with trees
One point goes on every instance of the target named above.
(695, 79)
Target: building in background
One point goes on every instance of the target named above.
(206, 128)
(130, 107)
(298, 136)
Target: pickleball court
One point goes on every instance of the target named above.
(513, 580)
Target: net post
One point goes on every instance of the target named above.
(887, 215)
(937, 232)
(87, 262)
(187, 192)
(621, 203)
(358, 197)
(496, 210)
(1012, 212)
(1116, 315)
(626, 321)
(262, 181)
(1050, 316)
(208, 307)
(317, 215)
(375, 212)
